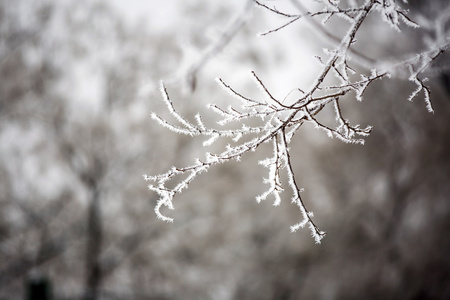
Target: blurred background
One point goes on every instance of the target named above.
(79, 80)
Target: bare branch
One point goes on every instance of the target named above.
(281, 121)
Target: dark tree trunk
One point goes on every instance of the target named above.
(94, 245)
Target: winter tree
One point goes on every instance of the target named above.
(346, 74)
(79, 83)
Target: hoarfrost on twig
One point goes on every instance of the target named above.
(282, 121)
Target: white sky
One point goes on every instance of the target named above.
(159, 14)
(166, 15)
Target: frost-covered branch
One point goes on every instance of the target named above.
(281, 121)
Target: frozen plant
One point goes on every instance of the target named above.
(282, 121)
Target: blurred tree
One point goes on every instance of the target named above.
(63, 152)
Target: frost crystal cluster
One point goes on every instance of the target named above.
(282, 121)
